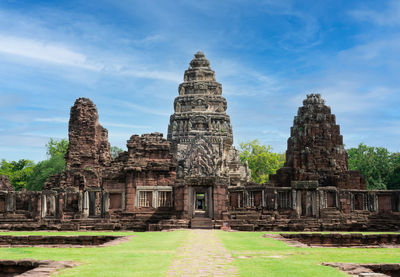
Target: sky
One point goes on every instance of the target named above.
(129, 57)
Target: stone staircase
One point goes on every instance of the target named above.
(201, 223)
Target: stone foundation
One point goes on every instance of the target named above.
(346, 240)
(17, 241)
(381, 270)
(27, 268)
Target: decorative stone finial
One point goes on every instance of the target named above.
(200, 61)
(313, 98)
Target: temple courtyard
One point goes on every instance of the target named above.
(195, 252)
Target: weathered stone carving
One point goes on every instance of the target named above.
(5, 183)
(88, 151)
(204, 147)
(316, 151)
(89, 145)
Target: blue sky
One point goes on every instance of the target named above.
(130, 56)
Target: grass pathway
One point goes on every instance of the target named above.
(202, 254)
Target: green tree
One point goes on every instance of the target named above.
(57, 146)
(43, 170)
(55, 164)
(261, 160)
(17, 171)
(115, 150)
(394, 179)
(375, 163)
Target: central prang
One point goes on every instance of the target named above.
(201, 139)
(200, 131)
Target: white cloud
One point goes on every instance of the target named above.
(122, 125)
(159, 75)
(52, 119)
(44, 51)
(145, 109)
(389, 16)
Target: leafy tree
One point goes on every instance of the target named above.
(17, 171)
(55, 147)
(55, 164)
(261, 160)
(115, 150)
(394, 179)
(375, 163)
(44, 169)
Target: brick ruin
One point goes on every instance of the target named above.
(194, 178)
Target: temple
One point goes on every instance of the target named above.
(195, 179)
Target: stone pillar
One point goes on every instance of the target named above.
(315, 203)
(80, 202)
(53, 204)
(60, 199)
(190, 205)
(122, 201)
(10, 202)
(106, 202)
(294, 203)
(322, 199)
(44, 205)
(210, 202)
(85, 210)
(263, 202)
(155, 199)
(298, 204)
(130, 192)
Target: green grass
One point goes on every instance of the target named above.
(258, 256)
(151, 253)
(146, 254)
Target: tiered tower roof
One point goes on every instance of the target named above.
(199, 109)
(315, 150)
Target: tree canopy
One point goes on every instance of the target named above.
(57, 147)
(55, 164)
(18, 172)
(380, 168)
(261, 160)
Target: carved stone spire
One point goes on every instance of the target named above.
(88, 140)
(200, 130)
(315, 149)
(199, 108)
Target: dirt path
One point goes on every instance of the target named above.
(202, 254)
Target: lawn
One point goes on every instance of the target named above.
(151, 253)
(146, 254)
(258, 256)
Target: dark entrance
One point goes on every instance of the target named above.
(201, 204)
(201, 201)
(92, 203)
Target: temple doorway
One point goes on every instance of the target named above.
(201, 204)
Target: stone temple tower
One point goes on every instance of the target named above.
(201, 139)
(315, 152)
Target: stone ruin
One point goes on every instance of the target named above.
(315, 152)
(201, 138)
(195, 178)
(5, 183)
